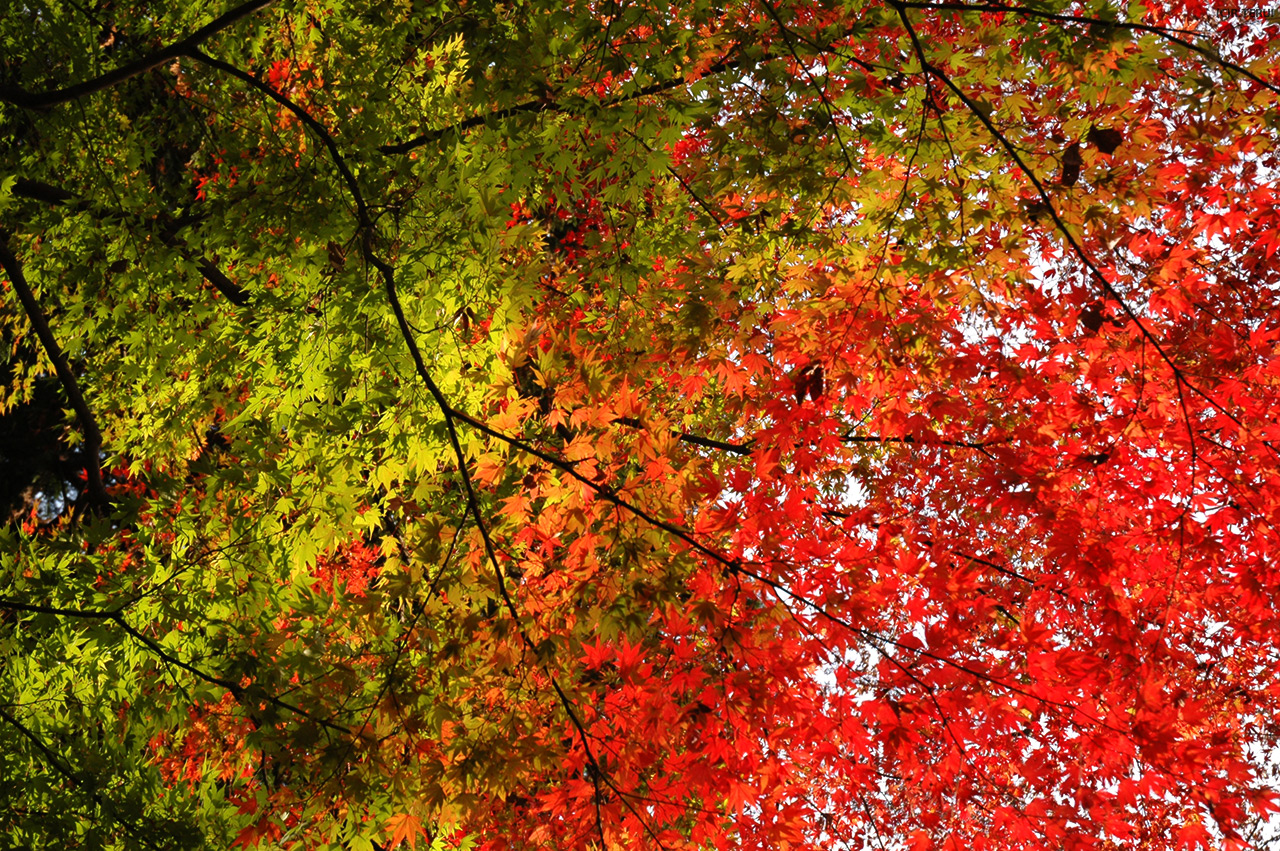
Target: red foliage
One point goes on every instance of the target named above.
(349, 570)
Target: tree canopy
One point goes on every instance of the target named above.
(779, 424)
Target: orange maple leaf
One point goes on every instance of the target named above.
(405, 827)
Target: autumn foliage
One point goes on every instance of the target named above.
(763, 425)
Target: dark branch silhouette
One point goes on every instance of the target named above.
(245, 696)
(747, 447)
(78, 781)
(43, 101)
(1172, 36)
(57, 196)
(535, 106)
(70, 384)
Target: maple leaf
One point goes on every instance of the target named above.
(403, 828)
(265, 829)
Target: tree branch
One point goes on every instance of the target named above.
(232, 291)
(548, 106)
(242, 694)
(55, 762)
(913, 441)
(89, 425)
(47, 193)
(88, 614)
(44, 101)
(1028, 12)
(116, 616)
(1077, 248)
(321, 132)
(748, 447)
